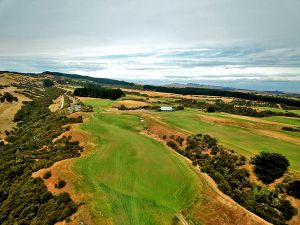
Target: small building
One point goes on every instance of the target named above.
(166, 108)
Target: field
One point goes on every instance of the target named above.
(133, 180)
(245, 140)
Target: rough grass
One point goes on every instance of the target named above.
(132, 178)
(244, 140)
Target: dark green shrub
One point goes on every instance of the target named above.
(269, 166)
(61, 184)
(47, 175)
(293, 189)
(48, 83)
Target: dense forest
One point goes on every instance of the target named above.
(97, 91)
(226, 168)
(224, 93)
(23, 199)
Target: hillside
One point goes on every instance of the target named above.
(85, 160)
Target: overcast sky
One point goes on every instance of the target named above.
(35, 33)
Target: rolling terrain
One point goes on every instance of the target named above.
(129, 173)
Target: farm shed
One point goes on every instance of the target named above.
(166, 108)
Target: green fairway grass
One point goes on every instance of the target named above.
(98, 104)
(243, 140)
(286, 120)
(133, 179)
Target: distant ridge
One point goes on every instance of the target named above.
(207, 86)
(94, 79)
(76, 76)
(194, 85)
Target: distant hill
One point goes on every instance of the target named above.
(87, 78)
(76, 76)
(193, 85)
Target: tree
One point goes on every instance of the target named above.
(293, 189)
(48, 83)
(47, 175)
(269, 166)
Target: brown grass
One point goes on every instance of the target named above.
(56, 104)
(8, 110)
(130, 104)
(153, 94)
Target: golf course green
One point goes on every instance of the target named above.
(131, 178)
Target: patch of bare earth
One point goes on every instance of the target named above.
(213, 207)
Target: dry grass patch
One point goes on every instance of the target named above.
(130, 104)
(56, 104)
(8, 110)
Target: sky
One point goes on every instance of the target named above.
(252, 44)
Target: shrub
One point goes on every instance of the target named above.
(122, 107)
(269, 166)
(48, 83)
(293, 189)
(61, 184)
(47, 175)
(172, 144)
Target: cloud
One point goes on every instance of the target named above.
(55, 27)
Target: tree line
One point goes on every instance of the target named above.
(224, 93)
(97, 91)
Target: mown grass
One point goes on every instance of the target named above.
(99, 105)
(133, 179)
(286, 120)
(243, 140)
